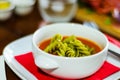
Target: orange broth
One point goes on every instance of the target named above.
(90, 43)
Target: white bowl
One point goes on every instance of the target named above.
(6, 13)
(67, 67)
(23, 7)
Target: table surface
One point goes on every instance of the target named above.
(15, 28)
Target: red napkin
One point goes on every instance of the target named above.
(27, 61)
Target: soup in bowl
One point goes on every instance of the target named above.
(69, 46)
(69, 50)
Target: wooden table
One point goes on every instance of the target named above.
(14, 28)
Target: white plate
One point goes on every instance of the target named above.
(23, 45)
(2, 68)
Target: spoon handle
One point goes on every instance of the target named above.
(113, 52)
(114, 49)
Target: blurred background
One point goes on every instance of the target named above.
(19, 18)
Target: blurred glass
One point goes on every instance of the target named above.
(57, 10)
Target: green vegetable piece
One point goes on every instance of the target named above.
(89, 11)
(108, 21)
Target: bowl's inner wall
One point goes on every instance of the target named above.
(68, 30)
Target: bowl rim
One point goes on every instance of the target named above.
(11, 7)
(25, 5)
(84, 57)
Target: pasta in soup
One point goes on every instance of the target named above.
(69, 46)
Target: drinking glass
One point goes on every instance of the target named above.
(57, 10)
